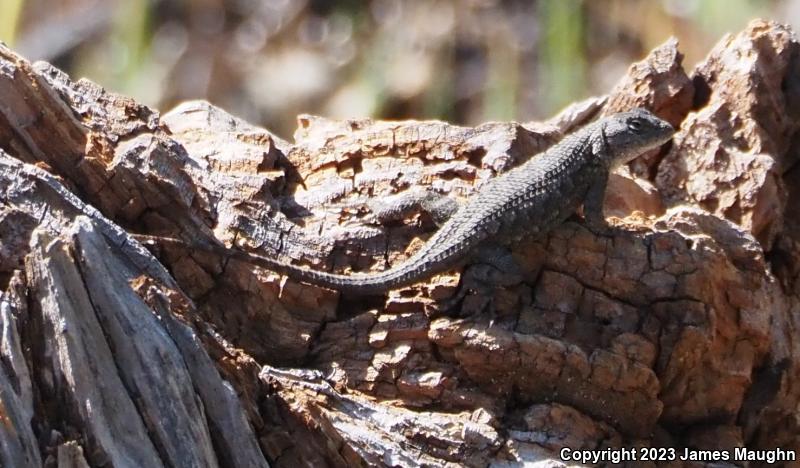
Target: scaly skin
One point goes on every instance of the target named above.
(528, 200)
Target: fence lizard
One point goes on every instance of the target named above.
(528, 200)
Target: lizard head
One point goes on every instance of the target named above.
(629, 134)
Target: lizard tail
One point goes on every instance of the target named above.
(356, 283)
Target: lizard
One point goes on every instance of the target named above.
(528, 200)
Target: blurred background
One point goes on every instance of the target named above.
(464, 61)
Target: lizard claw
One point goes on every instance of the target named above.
(495, 267)
(451, 305)
(463, 304)
(600, 227)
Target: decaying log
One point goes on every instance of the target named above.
(679, 330)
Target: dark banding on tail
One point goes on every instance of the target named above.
(408, 272)
(356, 283)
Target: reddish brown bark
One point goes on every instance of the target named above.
(678, 330)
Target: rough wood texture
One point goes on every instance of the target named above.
(678, 330)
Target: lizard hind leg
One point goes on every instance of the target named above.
(439, 207)
(493, 267)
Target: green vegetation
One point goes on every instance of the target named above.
(458, 60)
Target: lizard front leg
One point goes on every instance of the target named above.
(593, 205)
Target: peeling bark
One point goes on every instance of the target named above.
(679, 329)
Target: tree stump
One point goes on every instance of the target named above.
(679, 330)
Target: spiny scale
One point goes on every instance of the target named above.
(528, 200)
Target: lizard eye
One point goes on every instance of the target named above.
(635, 125)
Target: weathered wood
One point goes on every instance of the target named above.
(78, 364)
(18, 446)
(140, 386)
(678, 330)
(732, 152)
(70, 455)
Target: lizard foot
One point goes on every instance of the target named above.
(479, 282)
(467, 301)
(600, 227)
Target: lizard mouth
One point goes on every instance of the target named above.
(662, 133)
(667, 130)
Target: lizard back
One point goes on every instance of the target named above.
(528, 200)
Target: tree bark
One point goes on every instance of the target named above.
(677, 330)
